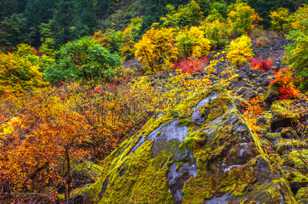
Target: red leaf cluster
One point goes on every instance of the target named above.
(287, 92)
(261, 64)
(253, 106)
(190, 65)
(98, 90)
(284, 81)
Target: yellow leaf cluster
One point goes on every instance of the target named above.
(240, 50)
(156, 50)
(242, 18)
(192, 43)
(279, 19)
(298, 20)
(18, 73)
(216, 31)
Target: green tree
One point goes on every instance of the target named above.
(10, 7)
(13, 30)
(82, 59)
(73, 19)
(63, 22)
(189, 14)
(36, 13)
(20, 70)
(297, 50)
(154, 9)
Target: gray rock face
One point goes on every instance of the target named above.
(165, 135)
(163, 138)
(220, 200)
(196, 116)
(171, 131)
(168, 132)
(178, 176)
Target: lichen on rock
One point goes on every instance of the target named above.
(207, 154)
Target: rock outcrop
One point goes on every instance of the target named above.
(208, 154)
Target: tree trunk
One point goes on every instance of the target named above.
(68, 176)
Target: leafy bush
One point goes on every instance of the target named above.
(279, 19)
(110, 39)
(261, 64)
(297, 51)
(185, 15)
(240, 50)
(192, 43)
(220, 6)
(216, 32)
(48, 43)
(298, 20)
(130, 35)
(19, 71)
(156, 50)
(242, 18)
(191, 65)
(82, 59)
(283, 84)
(297, 56)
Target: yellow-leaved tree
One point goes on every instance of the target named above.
(242, 18)
(156, 51)
(130, 35)
(192, 43)
(20, 70)
(240, 50)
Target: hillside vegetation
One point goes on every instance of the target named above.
(156, 101)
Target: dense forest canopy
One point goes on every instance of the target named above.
(153, 101)
(30, 21)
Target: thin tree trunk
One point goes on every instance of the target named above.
(68, 176)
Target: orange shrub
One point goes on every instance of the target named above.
(283, 81)
(261, 64)
(191, 65)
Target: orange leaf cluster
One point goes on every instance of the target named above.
(252, 110)
(284, 82)
(254, 107)
(261, 64)
(190, 65)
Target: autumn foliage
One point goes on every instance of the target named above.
(38, 143)
(240, 50)
(252, 110)
(20, 70)
(67, 101)
(261, 64)
(283, 81)
(191, 65)
(156, 50)
(242, 18)
(192, 43)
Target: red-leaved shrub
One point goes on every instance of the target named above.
(98, 90)
(190, 65)
(288, 92)
(284, 82)
(261, 64)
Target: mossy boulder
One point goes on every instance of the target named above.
(205, 155)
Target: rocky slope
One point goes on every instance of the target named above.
(208, 155)
(205, 151)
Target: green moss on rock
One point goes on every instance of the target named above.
(231, 158)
